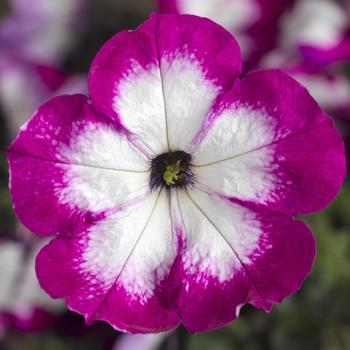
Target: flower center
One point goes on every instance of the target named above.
(171, 169)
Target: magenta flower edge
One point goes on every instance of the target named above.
(173, 190)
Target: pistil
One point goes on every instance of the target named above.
(171, 169)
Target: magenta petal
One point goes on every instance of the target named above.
(314, 165)
(54, 120)
(282, 260)
(210, 44)
(134, 79)
(290, 148)
(116, 271)
(56, 153)
(36, 205)
(254, 23)
(317, 58)
(33, 159)
(283, 98)
(60, 274)
(167, 6)
(36, 320)
(309, 151)
(261, 261)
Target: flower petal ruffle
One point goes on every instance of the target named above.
(118, 270)
(159, 84)
(69, 166)
(235, 255)
(269, 143)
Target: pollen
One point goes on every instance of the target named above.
(171, 169)
(174, 173)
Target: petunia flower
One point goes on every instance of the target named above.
(140, 341)
(314, 33)
(34, 38)
(254, 23)
(25, 85)
(314, 48)
(174, 189)
(322, 83)
(23, 304)
(336, 103)
(42, 31)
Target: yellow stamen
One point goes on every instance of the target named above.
(172, 173)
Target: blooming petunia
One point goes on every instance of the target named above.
(25, 85)
(173, 189)
(34, 39)
(42, 31)
(140, 341)
(320, 84)
(336, 103)
(23, 304)
(314, 48)
(314, 33)
(254, 23)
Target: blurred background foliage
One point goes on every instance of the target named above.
(315, 318)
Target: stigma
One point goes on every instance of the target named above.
(172, 169)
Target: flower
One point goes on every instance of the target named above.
(34, 38)
(254, 23)
(25, 85)
(315, 33)
(173, 189)
(321, 83)
(313, 48)
(41, 31)
(23, 305)
(140, 341)
(336, 103)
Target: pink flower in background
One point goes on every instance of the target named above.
(140, 341)
(33, 40)
(329, 87)
(24, 85)
(23, 304)
(42, 31)
(174, 189)
(332, 90)
(314, 45)
(314, 33)
(254, 23)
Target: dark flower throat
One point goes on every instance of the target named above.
(171, 169)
